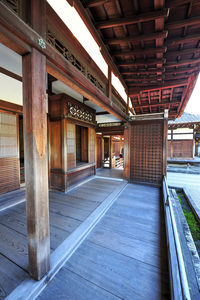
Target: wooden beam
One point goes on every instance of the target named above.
(176, 3)
(141, 62)
(141, 51)
(10, 74)
(145, 17)
(187, 93)
(135, 91)
(182, 70)
(137, 38)
(138, 78)
(144, 83)
(8, 106)
(181, 40)
(109, 87)
(183, 62)
(57, 65)
(189, 51)
(157, 105)
(183, 23)
(36, 158)
(101, 113)
(143, 71)
(127, 104)
(95, 3)
(88, 22)
(16, 44)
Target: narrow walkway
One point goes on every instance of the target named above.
(67, 212)
(111, 173)
(124, 257)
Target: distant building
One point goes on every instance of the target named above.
(184, 136)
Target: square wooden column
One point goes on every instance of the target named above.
(127, 151)
(36, 162)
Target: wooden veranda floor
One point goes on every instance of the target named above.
(124, 257)
(67, 212)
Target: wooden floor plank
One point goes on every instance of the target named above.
(14, 246)
(10, 276)
(76, 202)
(65, 210)
(68, 285)
(127, 245)
(125, 277)
(126, 252)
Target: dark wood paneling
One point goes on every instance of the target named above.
(98, 151)
(84, 144)
(146, 151)
(78, 175)
(127, 152)
(9, 174)
(181, 149)
(55, 142)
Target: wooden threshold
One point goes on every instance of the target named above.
(29, 288)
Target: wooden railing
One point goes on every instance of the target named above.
(178, 278)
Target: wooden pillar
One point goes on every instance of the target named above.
(127, 151)
(110, 150)
(127, 104)
(36, 162)
(171, 148)
(64, 151)
(165, 148)
(109, 83)
(35, 146)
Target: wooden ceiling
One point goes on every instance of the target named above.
(155, 45)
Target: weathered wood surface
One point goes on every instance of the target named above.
(124, 256)
(67, 211)
(10, 276)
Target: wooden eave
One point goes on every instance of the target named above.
(183, 125)
(21, 38)
(155, 46)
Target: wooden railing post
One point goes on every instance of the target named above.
(109, 84)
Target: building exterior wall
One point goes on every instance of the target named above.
(181, 149)
(65, 113)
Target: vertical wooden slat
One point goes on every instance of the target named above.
(127, 104)
(91, 145)
(84, 144)
(36, 162)
(109, 83)
(127, 152)
(165, 148)
(64, 151)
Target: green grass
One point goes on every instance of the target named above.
(192, 222)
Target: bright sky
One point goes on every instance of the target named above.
(193, 105)
(74, 22)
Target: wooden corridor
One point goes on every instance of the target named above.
(67, 212)
(124, 257)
